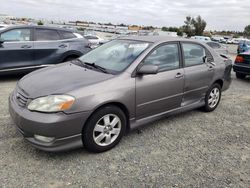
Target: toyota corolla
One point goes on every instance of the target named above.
(94, 100)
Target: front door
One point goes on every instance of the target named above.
(17, 50)
(163, 91)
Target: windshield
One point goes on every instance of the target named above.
(116, 55)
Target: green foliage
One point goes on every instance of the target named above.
(194, 26)
(40, 22)
(247, 31)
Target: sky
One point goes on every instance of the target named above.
(219, 14)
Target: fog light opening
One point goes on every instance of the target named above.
(44, 138)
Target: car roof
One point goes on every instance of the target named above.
(37, 26)
(159, 39)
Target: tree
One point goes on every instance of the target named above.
(199, 25)
(188, 28)
(40, 22)
(247, 31)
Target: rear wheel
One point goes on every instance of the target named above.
(104, 129)
(240, 75)
(212, 98)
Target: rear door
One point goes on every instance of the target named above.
(48, 46)
(163, 91)
(198, 73)
(17, 50)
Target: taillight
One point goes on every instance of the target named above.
(239, 59)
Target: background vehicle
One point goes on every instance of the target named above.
(242, 65)
(94, 40)
(25, 48)
(201, 38)
(3, 26)
(244, 45)
(116, 87)
(219, 48)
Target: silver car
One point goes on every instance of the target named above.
(94, 100)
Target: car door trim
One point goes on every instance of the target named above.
(23, 68)
(157, 100)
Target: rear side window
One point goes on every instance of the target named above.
(91, 37)
(67, 35)
(193, 54)
(166, 57)
(47, 35)
(16, 35)
(214, 45)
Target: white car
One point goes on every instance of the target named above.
(94, 40)
(3, 26)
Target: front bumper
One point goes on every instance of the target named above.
(243, 69)
(65, 128)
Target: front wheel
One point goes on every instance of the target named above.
(104, 129)
(212, 98)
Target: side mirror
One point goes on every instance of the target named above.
(1, 41)
(148, 69)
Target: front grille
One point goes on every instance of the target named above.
(21, 98)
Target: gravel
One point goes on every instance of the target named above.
(192, 149)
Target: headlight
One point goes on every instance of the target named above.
(51, 103)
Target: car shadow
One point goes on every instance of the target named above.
(134, 133)
(9, 78)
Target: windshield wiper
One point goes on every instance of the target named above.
(96, 66)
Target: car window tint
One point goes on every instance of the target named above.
(67, 35)
(166, 57)
(214, 45)
(46, 35)
(16, 35)
(91, 37)
(193, 54)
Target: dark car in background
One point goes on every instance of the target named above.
(242, 65)
(25, 48)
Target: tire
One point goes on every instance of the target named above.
(212, 98)
(240, 76)
(97, 133)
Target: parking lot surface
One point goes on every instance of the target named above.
(192, 149)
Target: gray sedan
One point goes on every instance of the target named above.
(94, 100)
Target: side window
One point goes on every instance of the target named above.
(67, 35)
(214, 45)
(91, 37)
(16, 35)
(166, 57)
(193, 54)
(46, 35)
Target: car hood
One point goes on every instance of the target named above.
(59, 79)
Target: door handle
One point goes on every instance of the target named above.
(178, 75)
(26, 46)
(210, 68)
(62, 46)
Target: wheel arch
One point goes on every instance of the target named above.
(219, 81)
(117, 104)
(71, 54)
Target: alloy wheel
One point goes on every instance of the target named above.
(107, 129)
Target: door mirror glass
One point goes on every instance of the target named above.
(1, 41)
(148, 69)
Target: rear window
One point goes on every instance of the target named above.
(67, 35)
(47, 35)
